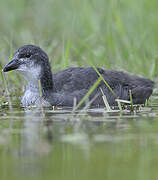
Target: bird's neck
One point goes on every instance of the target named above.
(45, 82)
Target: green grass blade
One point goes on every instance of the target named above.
(104, 81)
(105, 101)
(67, 54)
(119, 105)
(131, 99)
(95, 85)
(96, 72)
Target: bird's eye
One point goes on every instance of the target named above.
(24, 55)
(28, 55)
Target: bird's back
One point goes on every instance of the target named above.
(77, 81)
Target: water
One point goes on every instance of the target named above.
(90, 145)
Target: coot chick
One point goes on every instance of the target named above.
(62, 87)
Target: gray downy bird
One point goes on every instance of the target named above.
(62, 87)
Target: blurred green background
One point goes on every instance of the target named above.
(115, 34)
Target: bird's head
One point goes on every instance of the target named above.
(30, 61)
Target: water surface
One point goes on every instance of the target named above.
(91, 144)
